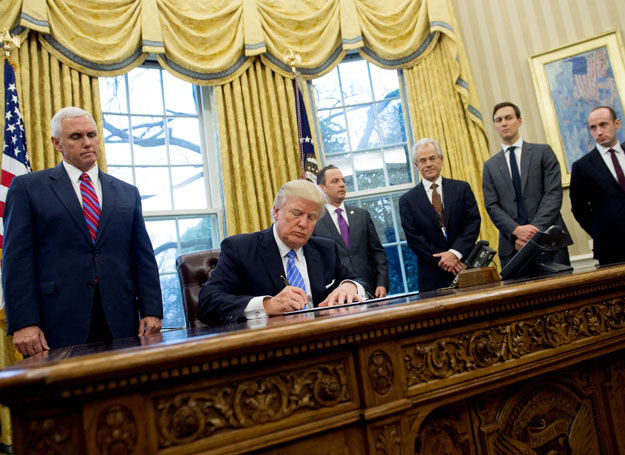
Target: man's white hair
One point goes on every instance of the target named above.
(68, 112)
(300, 189)
(424, 142)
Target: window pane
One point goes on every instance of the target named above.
(397, 165)
(173, 311)
(333, 131)
(145, 91)
(385, 82)
(402, 235)
(382, 216)
(117, 145)
(326, 93)
(396, 281)
(410, 265)
(148, 136)
(189, 190)
(180, 96)
(363, 133)
(113, 94)
(184, 141)
(344, 163)
(369, 170)
(153, 183)
(121, 172)
(355, 82)
(163, 236)
(391, 122)
(197, 233)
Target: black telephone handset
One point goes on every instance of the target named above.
(480, 256)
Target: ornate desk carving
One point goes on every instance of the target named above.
(509, 368)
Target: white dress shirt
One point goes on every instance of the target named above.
(335, 216)
(74, 176)
(518, 146)
(620, 156)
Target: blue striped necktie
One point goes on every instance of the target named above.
(292, 273)
(90, 205)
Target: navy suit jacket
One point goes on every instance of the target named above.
(250, 266)
(50, 262)
(365, 255)
(541, 184)
(424, 235)
(598, 204)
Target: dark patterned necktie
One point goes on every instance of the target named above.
(90, 205)
(437, 203)
(617, 167)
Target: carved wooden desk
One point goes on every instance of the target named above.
(509, 368)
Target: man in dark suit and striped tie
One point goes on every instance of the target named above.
(598, 188)
(78, 265)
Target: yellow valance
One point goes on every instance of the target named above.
(212, 43)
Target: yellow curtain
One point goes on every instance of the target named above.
(437, 111)
(258, 144)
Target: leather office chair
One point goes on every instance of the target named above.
(194, 269)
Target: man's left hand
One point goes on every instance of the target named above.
(149, 325)
(345, 293)
(449, 262)
(380, 292)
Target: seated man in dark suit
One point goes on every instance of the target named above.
(441, 229)
(281, 268)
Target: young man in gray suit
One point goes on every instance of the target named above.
(522, 195)
(354, 233)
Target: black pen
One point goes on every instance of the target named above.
(286, 283)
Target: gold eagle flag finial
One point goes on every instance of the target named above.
(9, 42)
(292, 58)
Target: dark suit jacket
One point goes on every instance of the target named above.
(542, 192)
(49, 260)
(424, 235)
(250, 266)
(365, 255)
(598, 204)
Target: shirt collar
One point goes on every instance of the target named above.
(603, 150)
(518, 144)
(332, 209)
(75, 173)
(427, 184)
(283, 248)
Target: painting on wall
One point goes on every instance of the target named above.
(570, 81)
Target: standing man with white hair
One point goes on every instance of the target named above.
(279, 269)
(78, 265)
(440, 219)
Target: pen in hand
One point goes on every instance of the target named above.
(286, 283)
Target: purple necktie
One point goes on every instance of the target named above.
(343, 227)
(617, 167)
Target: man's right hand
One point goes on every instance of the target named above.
(30, 340)
(290, 298)
(524, 233)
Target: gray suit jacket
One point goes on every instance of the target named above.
(542, 192)
(365, 256)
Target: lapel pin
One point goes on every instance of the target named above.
(351, 212)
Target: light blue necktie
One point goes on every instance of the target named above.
(292, 273)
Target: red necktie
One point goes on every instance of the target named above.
(617, 167)
(90, 205)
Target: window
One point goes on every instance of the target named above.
(362, 128)
(157, 132)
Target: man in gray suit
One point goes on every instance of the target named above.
(522, 195)
(354, 233)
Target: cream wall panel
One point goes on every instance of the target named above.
(500, 35)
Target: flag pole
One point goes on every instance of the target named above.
(307, 158)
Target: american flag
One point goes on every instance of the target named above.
(308, 161)
(14, 158)
(588, 71)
